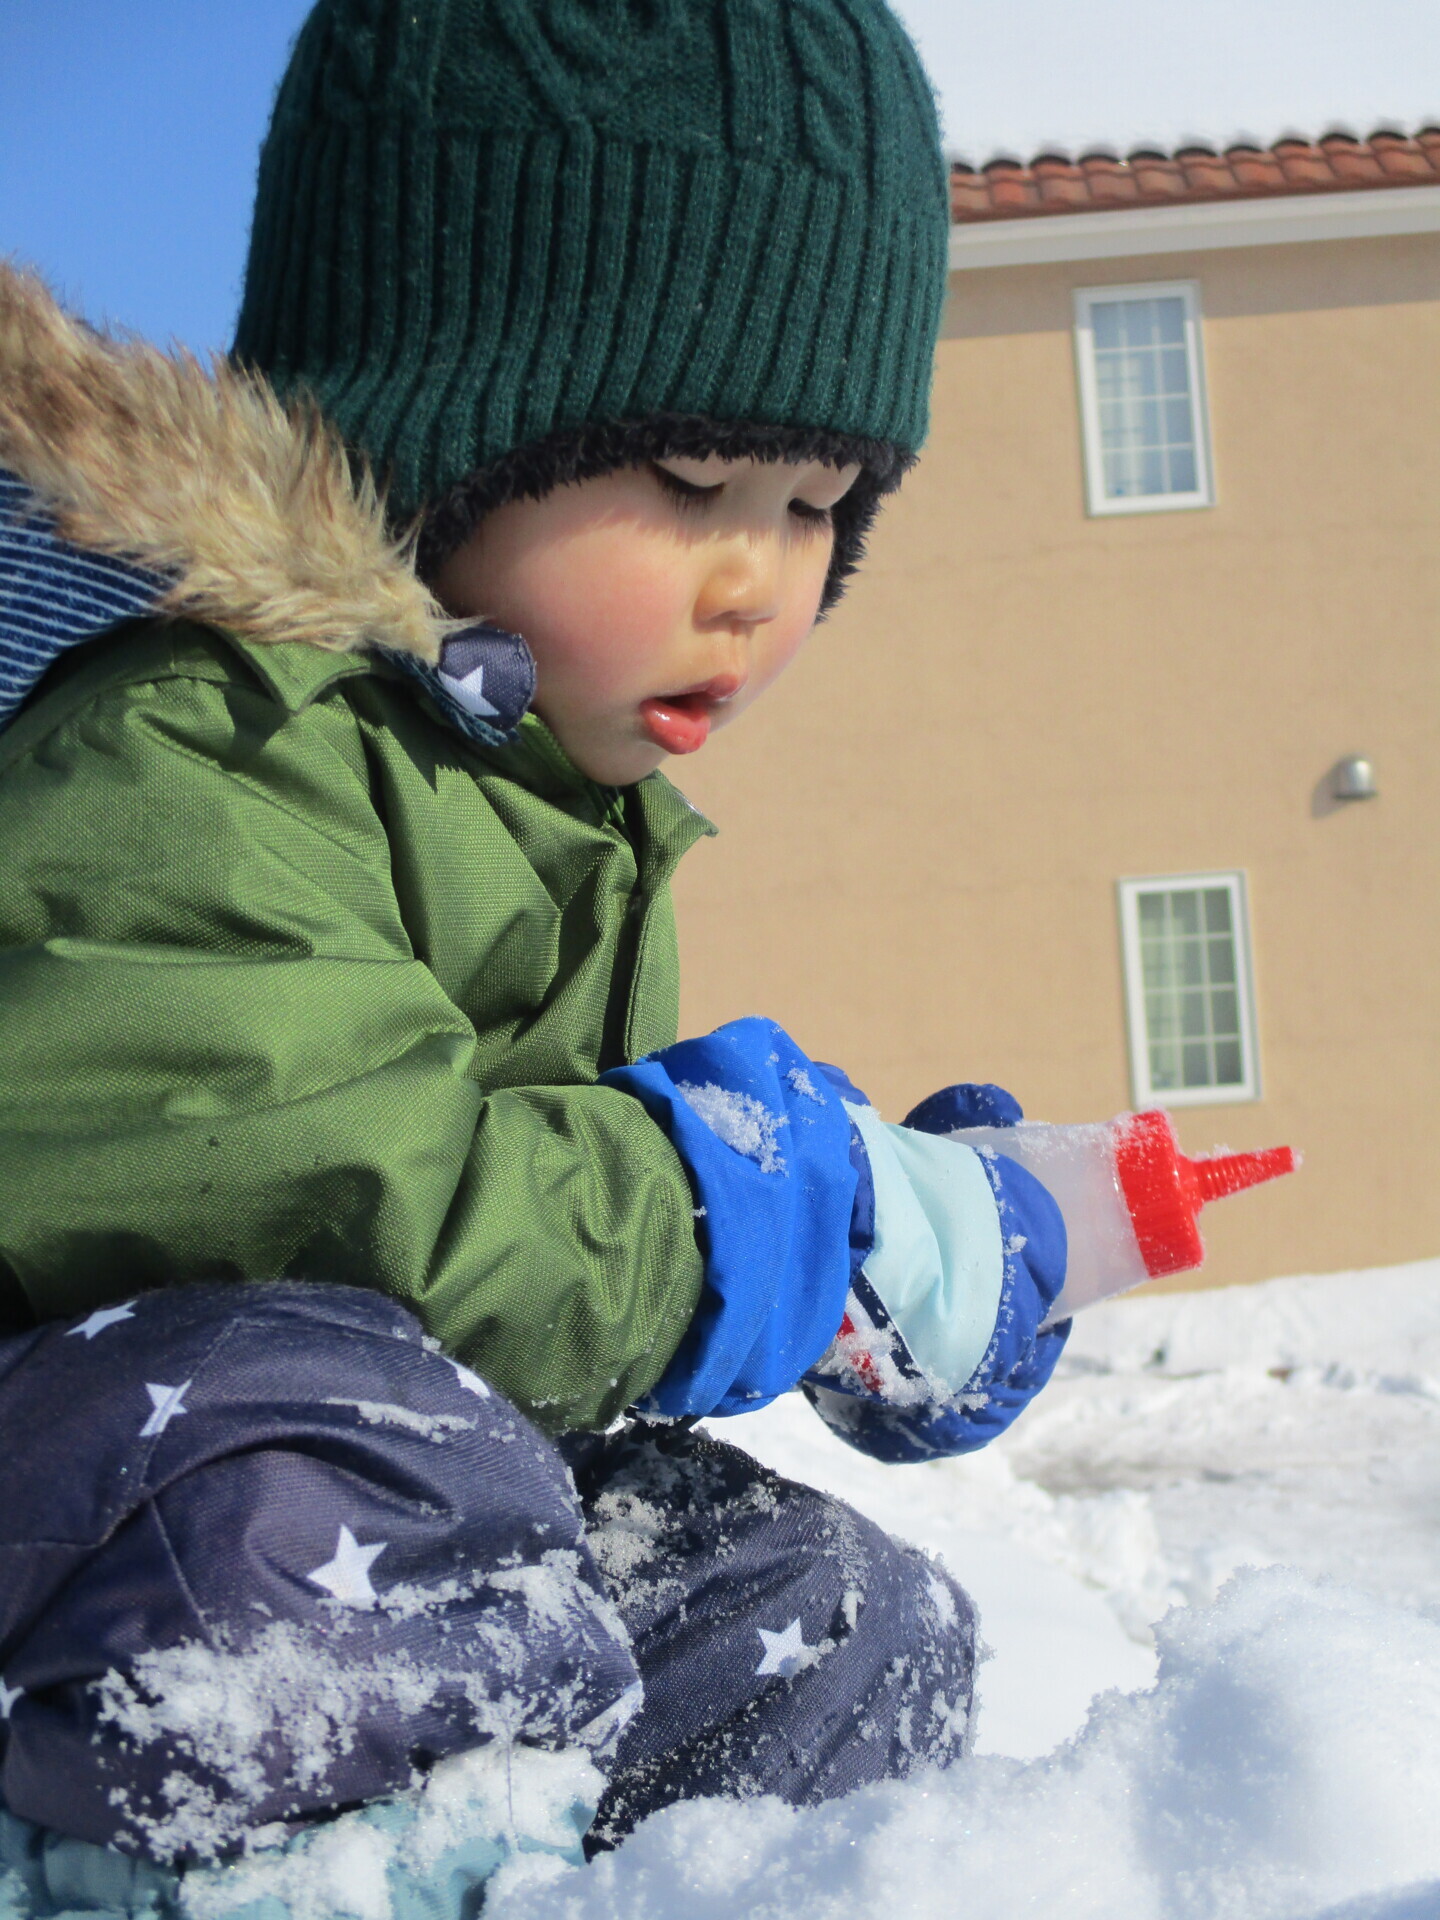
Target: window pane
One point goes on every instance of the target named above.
(1137, 322)
(1190, 962)
(1192, 1016)
(1164, 1068)
(1121, 479)
(1228, 1070)
(1217, 910)
(1225, 1011)
(1222, 961)
(1183, 478)
(1152, 472)
(1177, 423)
(1152, 913)
(1169, 319)
(1158, 967)
(1175, 371)
(1105, 320)
(1195, 1067)
(1185, 912)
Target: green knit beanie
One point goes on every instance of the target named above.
(482, 223)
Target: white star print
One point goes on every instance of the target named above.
(101, 1318)
(165, 1406)
(471, 1382)
(8, 1697)
(784, 1652)
(469, 691)
(347, 1576)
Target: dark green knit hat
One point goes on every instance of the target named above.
(484, 224)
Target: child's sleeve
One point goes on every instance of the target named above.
(222, 1057)
(235, 1063)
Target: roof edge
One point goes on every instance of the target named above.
(1100, 180)
(1274, 219)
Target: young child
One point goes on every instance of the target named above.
(368, 1245)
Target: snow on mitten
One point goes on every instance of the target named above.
(940, 1345)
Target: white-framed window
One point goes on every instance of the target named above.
(1143, 415)
(1188, 989)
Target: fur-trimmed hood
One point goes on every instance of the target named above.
(135, 482)
(251, 513)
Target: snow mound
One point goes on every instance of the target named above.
(1286, 1766)
(1384, 1325)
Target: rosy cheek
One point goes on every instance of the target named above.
(607, 606)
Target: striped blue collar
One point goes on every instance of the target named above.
(54, 596)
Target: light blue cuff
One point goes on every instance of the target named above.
(938, 1261)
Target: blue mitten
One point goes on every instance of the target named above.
(936, 1264)
(940, 1346)
(780, 1216)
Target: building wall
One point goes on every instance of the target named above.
(923, 823)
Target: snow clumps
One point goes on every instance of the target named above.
(740, 1120)
(1286, 1766)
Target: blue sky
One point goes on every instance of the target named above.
(128, 136)
(129, 128)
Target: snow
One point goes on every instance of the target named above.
(229, 1714)
(801, 1081)
(433, 1426)
(1207, 1562)
(512, 1808)
(740, 1120)
(226, 1710)
(1287, 1762)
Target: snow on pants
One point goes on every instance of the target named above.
(266, 1552)
(787, 1645)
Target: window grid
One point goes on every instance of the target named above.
(1142, 398)
(1142, 381)
(1192, 1011)
(1187, 978)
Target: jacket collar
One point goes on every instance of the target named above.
(134, 482)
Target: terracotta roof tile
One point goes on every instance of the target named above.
(1053, 183)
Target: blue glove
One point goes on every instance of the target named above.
(940, 1347)
(781, 1209)
(811, 1215)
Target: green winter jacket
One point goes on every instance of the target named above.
(295, 980)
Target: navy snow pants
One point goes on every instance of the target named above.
(265, 1552)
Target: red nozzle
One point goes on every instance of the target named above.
(1224, 1173)
(1164, 1189)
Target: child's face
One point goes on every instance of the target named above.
(659, 601)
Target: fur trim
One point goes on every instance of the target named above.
(254, 510)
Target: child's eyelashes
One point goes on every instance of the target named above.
(685, 492)
(691, 497)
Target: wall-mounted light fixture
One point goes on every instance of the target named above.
(1353, 778)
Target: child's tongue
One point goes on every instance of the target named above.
(678, 722)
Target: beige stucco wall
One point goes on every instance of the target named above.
(923, 824)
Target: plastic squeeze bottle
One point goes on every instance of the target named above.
(1128, 1195)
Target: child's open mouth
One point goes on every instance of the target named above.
(680, 722)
